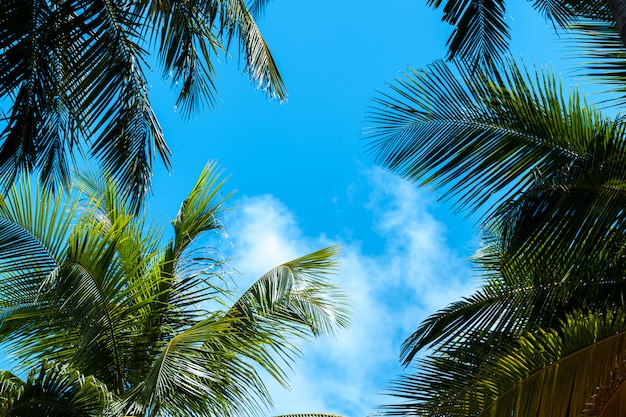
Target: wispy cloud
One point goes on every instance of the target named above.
(392, 291)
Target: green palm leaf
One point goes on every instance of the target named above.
(292, 301)
(480, 34)
(198, 372)
(601, 53)
(52, 390)
(572, 370)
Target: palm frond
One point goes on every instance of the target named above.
(257, 7)
(86, 282)
(114, 92)
(480, 135)
(292, 301)
(73, 73)
(194, 272)
(544, 373)
(53, 390)
(260, 64)
(193, 33)
(187, 47)
(200, 371)
(572, 363)
(481, 35)
(550, 167)
(34, 228)
(601, 53)
(201, 210)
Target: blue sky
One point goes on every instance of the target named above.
(304, 181)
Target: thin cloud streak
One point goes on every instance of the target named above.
(391, 292)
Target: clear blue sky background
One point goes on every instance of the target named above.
(304, 181)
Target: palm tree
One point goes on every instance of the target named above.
(107, 315)
(545, 335)
(72, 79)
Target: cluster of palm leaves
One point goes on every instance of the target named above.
(73, 81)
(545, 335)
(104, 315)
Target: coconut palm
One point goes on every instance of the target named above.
(545, 334)
(98, 305)
(73, 79)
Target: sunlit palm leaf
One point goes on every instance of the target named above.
(201, 210)
(292, 301)
(201, 372)
(194, 272)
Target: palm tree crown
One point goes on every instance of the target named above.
(110, 318)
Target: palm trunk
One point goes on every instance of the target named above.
(618, 8)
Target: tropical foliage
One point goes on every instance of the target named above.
(545, 335)
(73, 79)
(109, 316)
(481, 33)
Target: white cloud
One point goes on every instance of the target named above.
(415, 273)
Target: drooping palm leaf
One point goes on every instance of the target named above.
(72, 80)
(52, 390)
(576, 369)
(480, 34)
(289, 303)
(601, 53)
